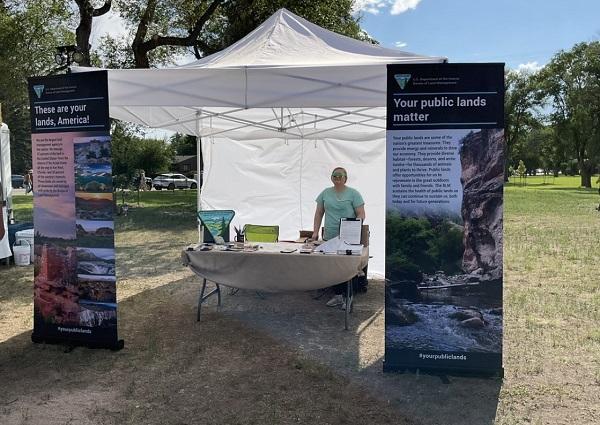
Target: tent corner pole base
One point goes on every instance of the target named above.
(116, 345)
(443, 373)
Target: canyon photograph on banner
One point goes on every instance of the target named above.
(444, 209)
(75, 298)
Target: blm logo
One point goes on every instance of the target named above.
(402, 80)
(39, 89)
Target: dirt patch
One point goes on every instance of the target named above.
(175, 370)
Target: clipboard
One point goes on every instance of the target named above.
(351, 230)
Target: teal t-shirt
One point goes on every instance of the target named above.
(337, 206)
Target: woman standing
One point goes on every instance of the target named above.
(335, 203)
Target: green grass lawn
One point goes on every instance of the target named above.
(155, 209)
(552, 299)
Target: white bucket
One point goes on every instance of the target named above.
(26, 235)
(22, 253)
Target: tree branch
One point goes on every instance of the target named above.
(104, 9)
(139, 52)
(141, 47)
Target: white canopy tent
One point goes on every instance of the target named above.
(276, 112)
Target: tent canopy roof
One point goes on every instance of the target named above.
(287, 40)
(287, 76)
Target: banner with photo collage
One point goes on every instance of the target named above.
(444, 202)
(74, 262)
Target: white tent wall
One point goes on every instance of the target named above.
(276, 181)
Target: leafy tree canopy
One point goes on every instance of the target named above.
(29, 32)
(570, 82)
(183, 144)
(131, 152)
(164, 30)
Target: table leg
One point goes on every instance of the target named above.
(201, 299)
(349, 299)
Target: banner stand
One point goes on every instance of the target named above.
(75, 282)
(444, 219)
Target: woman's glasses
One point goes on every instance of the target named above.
(338, 175)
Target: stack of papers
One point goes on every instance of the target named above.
(338, 246)
(347, 249)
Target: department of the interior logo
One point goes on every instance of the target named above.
(39, 89)
(402, 79)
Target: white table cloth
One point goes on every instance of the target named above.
(269, 270)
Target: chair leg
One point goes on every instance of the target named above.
(201, 299)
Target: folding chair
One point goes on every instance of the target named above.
(215, 223)
(259, 233)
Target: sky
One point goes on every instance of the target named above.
(524, 34)
(520, 33)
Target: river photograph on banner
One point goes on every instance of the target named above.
(444, 248)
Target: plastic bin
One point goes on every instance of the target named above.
(22, 252)
(26, 235)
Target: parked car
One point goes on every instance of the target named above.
(17, 181)
(171, 181)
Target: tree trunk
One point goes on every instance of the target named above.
(586, 178)
(84, 29)
(140, 52)
(585, 170)
(82, 34)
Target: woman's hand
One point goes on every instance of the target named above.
(315, 236)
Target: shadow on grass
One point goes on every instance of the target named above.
(175, 370)
(551, 186)
(578, 190)
(170, 217)
(285, 359)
